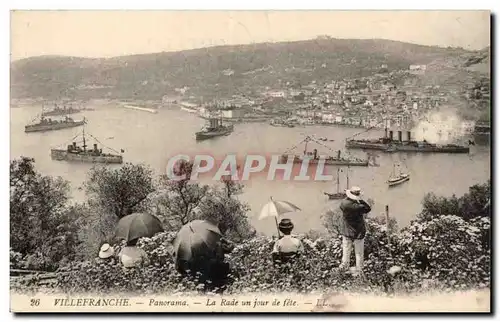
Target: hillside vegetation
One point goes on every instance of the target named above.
(150, 76)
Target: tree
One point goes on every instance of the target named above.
(475, 203)
(120, 191)
(40, 225)
(184, 200)
(179, 199)
(222, 207)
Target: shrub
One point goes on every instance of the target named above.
(120, 191)
(475, 203)
(41, 227)
(451, 248)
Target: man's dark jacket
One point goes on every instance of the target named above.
(352, 222)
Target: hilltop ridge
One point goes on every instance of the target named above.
(221, 69)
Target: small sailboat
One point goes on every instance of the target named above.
(339, 194)
(397, 177)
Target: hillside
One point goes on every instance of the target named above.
(222, 70)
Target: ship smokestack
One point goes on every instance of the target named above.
(74, 144)
(400, 136)
(338, 154)
(95, 147)
(391, 135)
(409, 136)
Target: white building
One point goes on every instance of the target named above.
(373, 122)
(418, 67)
(276, 94)
(467, 126)
(232, 113)
(328, 118)
(182, 90)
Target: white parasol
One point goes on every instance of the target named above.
(276, 208)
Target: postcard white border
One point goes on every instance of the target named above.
(186, 4)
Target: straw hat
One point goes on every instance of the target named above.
(353, 193)
(106, 251)
(285, 224)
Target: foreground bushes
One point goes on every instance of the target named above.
(445, 252)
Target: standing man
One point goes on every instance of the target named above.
(352, 228)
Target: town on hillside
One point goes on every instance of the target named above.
(384, 99)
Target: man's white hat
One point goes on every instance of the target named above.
(353, 193)
(106, 251)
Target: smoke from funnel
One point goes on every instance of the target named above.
(444, 126)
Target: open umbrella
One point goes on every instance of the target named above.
(275, 208)
(197, 241)
(138, 225)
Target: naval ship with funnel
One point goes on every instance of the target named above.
(314, 158)
(76, 153)
(389, 143)
(213, 129)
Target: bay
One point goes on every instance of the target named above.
(154, 138)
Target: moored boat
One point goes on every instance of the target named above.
(58, 111)
(397, 177)
(314, 158)
(214, 128)
(339, 194)
(47, 124)
(390, 144)
(398, 180)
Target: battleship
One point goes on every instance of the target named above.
(58, 111)
(213, 129)
(48, 124)
(314, 157)
(76, 153)
(390, 144)
(482, 133)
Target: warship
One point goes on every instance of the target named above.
(482, 133)
(58, 111)
(390, 144)
(314, 158)
(76, 153)
(339, 194)
(48, 124)
(213, 129)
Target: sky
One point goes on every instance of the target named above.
(116, 33)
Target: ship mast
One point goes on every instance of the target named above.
(338, 180)
(347, 177)
(84, 144)
(305, 147)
